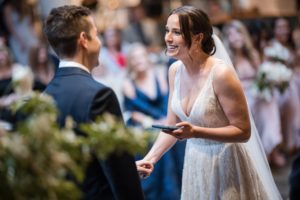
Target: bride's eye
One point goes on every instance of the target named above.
(177, 32)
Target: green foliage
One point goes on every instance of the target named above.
(114, 137)
(36, 157)
(261, 81)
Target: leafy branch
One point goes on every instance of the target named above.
(38, 155)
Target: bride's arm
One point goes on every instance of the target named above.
(165, 141)
(233, 102)
(161, 145)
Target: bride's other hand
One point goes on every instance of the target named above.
(144, 168)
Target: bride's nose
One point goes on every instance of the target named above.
(168, 37)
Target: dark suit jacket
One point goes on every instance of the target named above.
(295, 179)
(78, 95)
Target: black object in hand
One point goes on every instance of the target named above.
(168, 128)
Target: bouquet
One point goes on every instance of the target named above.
(277, 53)
(273, 73)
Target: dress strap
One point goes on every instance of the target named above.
(177, 76)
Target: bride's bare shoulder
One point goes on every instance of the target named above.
(222, 70)
(224, 75)
(173, 68)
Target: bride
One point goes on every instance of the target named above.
(224, 158)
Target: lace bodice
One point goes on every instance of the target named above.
(206, 111)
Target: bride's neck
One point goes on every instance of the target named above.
(195, 64)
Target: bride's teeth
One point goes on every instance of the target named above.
(172, 47)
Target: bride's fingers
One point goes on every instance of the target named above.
(175, 134)
(182, 124)
(142, 169)
(148, 166)
(144, 164)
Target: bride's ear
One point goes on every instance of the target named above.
(198, 37)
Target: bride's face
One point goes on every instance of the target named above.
(176, 46)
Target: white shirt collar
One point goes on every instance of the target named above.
(68, 63)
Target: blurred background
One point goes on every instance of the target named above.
(257, 33)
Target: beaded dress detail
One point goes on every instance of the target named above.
(214, 170)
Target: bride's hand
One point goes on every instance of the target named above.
(144, 168)
(185, 131)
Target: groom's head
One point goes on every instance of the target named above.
(71, 31)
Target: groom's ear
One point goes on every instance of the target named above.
(83, 39)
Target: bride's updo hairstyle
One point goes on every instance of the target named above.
(193, 21)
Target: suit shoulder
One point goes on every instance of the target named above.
(96, 86)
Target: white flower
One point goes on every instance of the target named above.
(276, 50)
(265, 94)
(276, 72)
(271, 75)
(22, 78)
(69, 136)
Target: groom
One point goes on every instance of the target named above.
(72, 33)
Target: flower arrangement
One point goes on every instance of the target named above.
(273, 73)
(277, 53)
(37, 155)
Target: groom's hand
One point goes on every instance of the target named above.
(144, 168)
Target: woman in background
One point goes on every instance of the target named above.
(41, 65)
(145, 103)
(112, 55)
(246, 61)
(24, 26)
(5, 71)
(288, 101)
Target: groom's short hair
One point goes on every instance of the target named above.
(63, 27)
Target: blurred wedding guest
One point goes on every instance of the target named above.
(145, 90)
(45, 6)
(6, 87)
(260, 32)
(265, 112)
(142, 29)
(41, 65)
(5, 71)
(15, 82)
(112, 54)
(281, 47)
(24, 26)
(112, 59)
(15, 79)
(115, 80)
(296, 42)
(3, 28)
(145, 103)
(3, 41)
(294, 179)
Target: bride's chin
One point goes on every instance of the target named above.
(173, 54)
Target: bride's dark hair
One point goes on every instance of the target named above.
(193, 21)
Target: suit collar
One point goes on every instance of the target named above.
(71, 63)
(66, 71)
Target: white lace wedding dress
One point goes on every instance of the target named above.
(215, 170)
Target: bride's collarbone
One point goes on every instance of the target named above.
(193, 85)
